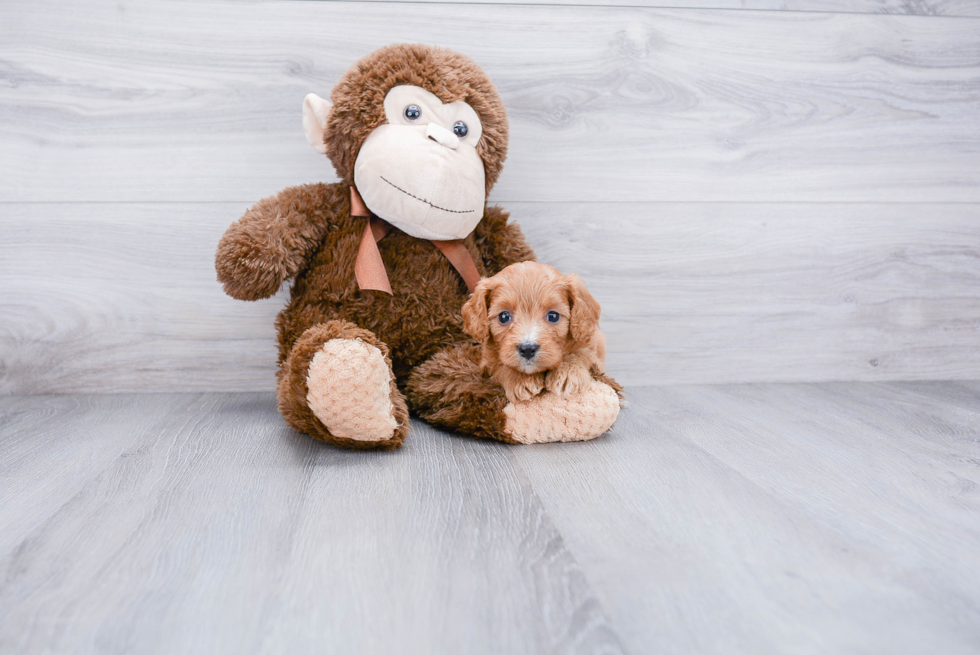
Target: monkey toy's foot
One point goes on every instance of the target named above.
(550, 417)
(450, 391)
(337, 385)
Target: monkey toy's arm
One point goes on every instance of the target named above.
(500, 243)
(272, 241)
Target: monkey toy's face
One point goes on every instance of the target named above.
(420, 171)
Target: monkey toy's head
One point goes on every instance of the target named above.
(420, 131)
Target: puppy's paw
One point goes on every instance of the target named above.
(527, 387)
(568, 380)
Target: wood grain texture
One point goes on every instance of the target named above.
(913, 7)
(780, 518)
(775, 292)
(807, 518)
(116, 297)
(54, 447)
(222, 531)
(163, 101)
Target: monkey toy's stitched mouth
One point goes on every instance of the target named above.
(451, 211)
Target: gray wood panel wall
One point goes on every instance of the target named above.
(755, 190)
(910, 7)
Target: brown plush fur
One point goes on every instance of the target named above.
(451, 391)
(260, 251)
(292, 385)
(359, 101)
(568, 351)
(307, 233)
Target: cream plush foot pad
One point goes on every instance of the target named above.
(549, 417)
(349, 390)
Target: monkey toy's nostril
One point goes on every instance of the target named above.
(442, 136)
(528, 350)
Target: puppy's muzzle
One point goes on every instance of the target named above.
(528, 350)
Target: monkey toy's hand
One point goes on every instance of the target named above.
(247, 264)
(270, 243)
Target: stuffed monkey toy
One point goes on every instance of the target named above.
(383, 261)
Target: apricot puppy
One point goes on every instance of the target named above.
(539, 330)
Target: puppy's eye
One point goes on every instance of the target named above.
(553, 317)
(460, 129)
(413, 112)
(503, 318)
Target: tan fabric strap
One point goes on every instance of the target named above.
(357, 206)
(459, 256)
(369, 268)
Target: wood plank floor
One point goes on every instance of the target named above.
(804, 518)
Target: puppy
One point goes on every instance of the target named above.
(539, 330)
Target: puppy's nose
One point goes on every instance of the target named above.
(528, 350)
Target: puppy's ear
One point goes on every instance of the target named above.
(584, 319)
(476, 323)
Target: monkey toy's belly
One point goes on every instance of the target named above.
(420, 317)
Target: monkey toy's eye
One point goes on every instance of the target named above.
(553, 317)
(460, 129)
(413, 112)
(503, 318)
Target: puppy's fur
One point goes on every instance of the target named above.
(568, 352)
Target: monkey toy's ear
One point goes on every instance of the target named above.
(315, 111)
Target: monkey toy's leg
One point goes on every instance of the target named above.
(449, 390)
(337, 385)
